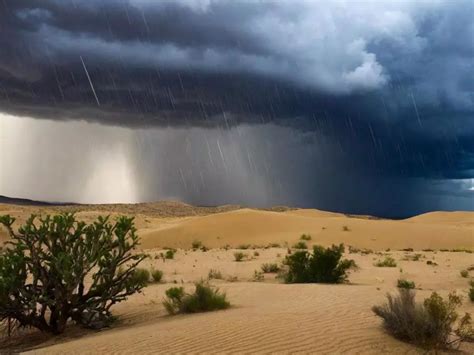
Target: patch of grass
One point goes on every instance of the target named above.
(300, 245)
(464, 273)
(387, 262)
(204, 299)
(214, 274)
(306, 237)
(156, 275)
(324, 265)
(402, 283)
(269, 268)
(430, 324)
(169, 254)
(239, 256)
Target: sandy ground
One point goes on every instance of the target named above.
(268, 316)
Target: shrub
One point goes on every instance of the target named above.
(196, 244)
(270, 268)
(430, 325)
(239, 256)
(204, 299)
(387, 262)
(43, 268)
(141, 276)
(274, 245)
(214, 274)
(345, 229)
(306, 237)
(258, 276)
(300, 245)
(256, 253)
(244, 246)
(464, 273)
(170, 253)
(402, 283)
(471, 291)
(322, 266)
(157, 275)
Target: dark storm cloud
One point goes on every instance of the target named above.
(390, 83)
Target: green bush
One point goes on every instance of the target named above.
(204, 299)
(306, 237)
(169, 254)
(270, 268)
(239, 256)
(322, 266)
(387, 262)
(141, 276)
(464, 273)
(157, 275)
(45, 263)
(300, 245)
(430, 325)
(402, 283)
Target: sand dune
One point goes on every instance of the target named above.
(268, 317)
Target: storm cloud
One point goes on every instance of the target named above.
(339, 96)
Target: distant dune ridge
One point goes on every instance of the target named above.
(267, 316)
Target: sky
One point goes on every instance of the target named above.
(354, 106)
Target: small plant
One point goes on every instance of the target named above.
(239, 256)
(204, 299)
(196, 244)
(402, 283)
(324, 265)
(306, 237)
(464, 273)
(387, 262)
(204, 248)
(258, 276)
(256, 253)
(471, 290)
(269, 268)
(430, 324)
(274, 245)
(214, 274)
(430, 262)
(244, 246)
(300, 245)
(345, 229)
(169, 254)
(157, 275)
(141, 276)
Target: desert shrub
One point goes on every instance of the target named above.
(244, 246)
(239, 256)
(322, 266)
(274, 245)
(204, 248)
(464, 273)
(306, 237)
(345, 229)
(300, 245)
(43, 268)
(204, 299)
(141, 276)
(402, 283)
(256, 253)
(387, 262)
(157, 275)
(196, 244)
(258, 276)
(169, 254)
(270, 268)
(471, 290)
(430, 262)
(430, 324)
(214, 274)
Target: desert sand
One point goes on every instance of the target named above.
(267, 316)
